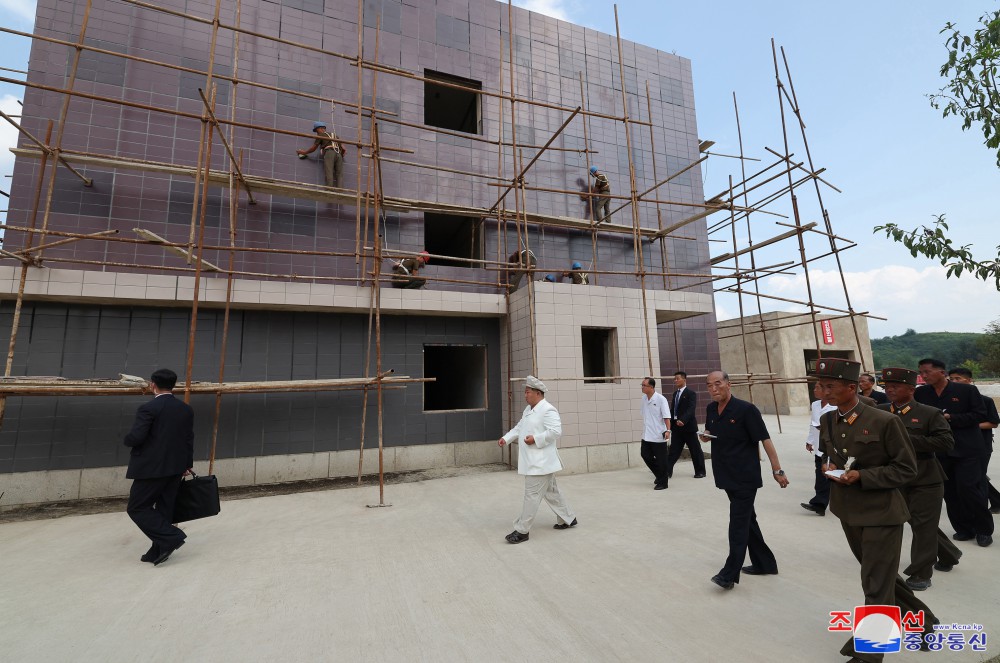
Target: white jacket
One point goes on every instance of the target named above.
(544, 424)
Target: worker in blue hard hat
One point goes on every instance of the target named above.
(579, 276)
(332, 150)
(551, 278)
(601, 200)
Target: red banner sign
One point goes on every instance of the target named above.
(827, 327)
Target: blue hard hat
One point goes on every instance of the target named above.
(593, 170)
(317, 125)
(577, 265)
(551, 278)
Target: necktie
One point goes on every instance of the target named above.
(677, 399)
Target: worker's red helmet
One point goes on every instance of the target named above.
(426, 257)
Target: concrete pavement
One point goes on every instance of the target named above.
(319, 577)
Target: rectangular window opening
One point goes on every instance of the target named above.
(457, 236)
(600, 355)
(460, 377)
(450, 108)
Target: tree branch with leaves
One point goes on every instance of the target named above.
(933, 243)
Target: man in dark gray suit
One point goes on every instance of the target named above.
(162, 443)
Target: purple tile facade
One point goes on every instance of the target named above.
(464, 38)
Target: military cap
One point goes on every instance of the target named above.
(841, 369)
(901, 375)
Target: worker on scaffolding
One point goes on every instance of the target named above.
(524, 261)
(601, 198)
(332, 150)
(406, 271)
(576, 273)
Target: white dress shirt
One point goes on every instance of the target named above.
(544, 424)
(654, 410)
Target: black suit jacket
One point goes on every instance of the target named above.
(162, 439)
(685, 411)
(964, 405)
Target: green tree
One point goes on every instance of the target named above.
(989, 346)
(971, 93)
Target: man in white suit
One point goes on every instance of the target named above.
(538, 460)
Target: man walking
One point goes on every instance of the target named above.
(736, 427)
(684, 427)
(964, 491)
(929, 434)
(538, 460)
(655, 432)
(162, 442)
(821, 487)
(875, 454)
(964, 376)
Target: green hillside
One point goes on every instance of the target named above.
(907, 349)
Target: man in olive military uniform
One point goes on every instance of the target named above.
(872, 448)
(929, 433)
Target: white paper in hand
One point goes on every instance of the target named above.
(835, 473)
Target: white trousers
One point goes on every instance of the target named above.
(536, 488)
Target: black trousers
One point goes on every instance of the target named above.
(745, 536)
(965, 494)
(679, 438)
(878, 550)
(654, 454)
(821, 486)
(151, 508)
(992, 495)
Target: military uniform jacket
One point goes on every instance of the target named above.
(929, 434)
(882, 453)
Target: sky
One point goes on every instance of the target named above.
(861, 71)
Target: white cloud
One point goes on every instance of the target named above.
(921, 299)
(21, 9)
(561, 9)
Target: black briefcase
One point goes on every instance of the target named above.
(197, 497)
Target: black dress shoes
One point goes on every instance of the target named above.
(700, 475)
(660, 486)
(754, 571)
(918, 584)
(941, 566)
(984, 539)
(516, 537)
(563, 525)
(725, 584)
(165, 554)
(151, 554)
(818, 510)
(962, 536)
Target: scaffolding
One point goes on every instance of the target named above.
(370, 200)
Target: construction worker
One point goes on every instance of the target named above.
(332, 150)
(524, 260)
(579, 276)
(406, 271)
(602, 201)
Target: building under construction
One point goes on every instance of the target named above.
(159, 216)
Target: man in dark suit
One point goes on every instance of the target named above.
(964, 376)
(162, 443)
(737, 428)
(684, 427)
(964, 489)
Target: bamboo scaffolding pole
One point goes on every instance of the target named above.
(189, 364)
(807, 171)
(360, 136)
(759, 245)
(86, 181)
(795, 204)
(21, 387)
(98, 235)
(590, 199)
(235, 166)
(19, 303)
(61, 124)
(769, 327)
(819, 198)
(177, 67)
